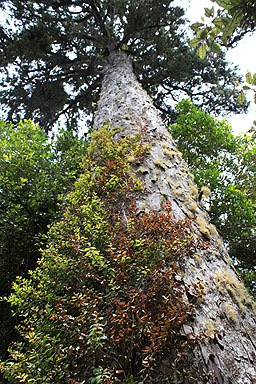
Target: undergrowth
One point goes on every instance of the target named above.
(107, 303)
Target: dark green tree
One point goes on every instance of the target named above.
(226, 164)
(56, 51)
(34, 174)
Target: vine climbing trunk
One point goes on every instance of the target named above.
(227, 314)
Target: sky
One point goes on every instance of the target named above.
(244, 56)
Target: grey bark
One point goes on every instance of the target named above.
(228, 312)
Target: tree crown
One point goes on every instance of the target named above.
(57, 51)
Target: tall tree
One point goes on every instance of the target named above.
(56, 49)
(167, 179)
(80, 295)
(96, 275)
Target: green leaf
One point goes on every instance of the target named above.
(227, 4)
(202, 51)
(224, 40)
(254, 98)
(246, 88)
(196, 26)
(202, 34)
(195, 42)
(231, 26)
(241, 98)
(209, 12)
(219, 22)
(214, 46)
(249, 78)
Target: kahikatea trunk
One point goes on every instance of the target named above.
(227, 313)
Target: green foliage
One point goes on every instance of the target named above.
(56, 51)
(226, 164)
(251, 86)
(34, 174)
(233, 20)
(226, 26)
(27, 196)
(204, 137)
(106, 302)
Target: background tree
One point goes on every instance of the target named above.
(226, 164)
(34, 174)
(52, 58)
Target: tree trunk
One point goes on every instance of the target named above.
(228, 312)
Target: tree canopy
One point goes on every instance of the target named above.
(52, 54)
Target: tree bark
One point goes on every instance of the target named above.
(228, 312)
